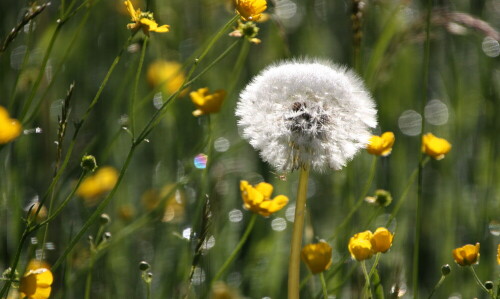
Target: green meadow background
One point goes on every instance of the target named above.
(461, 193)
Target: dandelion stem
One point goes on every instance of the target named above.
(478, 281)
(323, 285)
(367, 288)
(298, 229)
(236, 249)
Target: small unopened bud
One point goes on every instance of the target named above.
(42, 214)
(90, 238)
(89, 163)
(107, 236)
(489, 285)
(382, 198)
(445, 269)
(143, 266)
(105, 219)
(150, 275)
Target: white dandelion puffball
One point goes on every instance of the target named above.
(298, 113)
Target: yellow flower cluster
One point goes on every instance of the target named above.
(318, 256)
(169, 74)
(143, 20)
(466, 255)
(207, 102)
(365, 244)
(9, 128)
(434, 146)
(258, 199)
(93, 186)
(36, 282)
(381, 145)
(250, 10)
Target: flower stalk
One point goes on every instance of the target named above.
(298, 229)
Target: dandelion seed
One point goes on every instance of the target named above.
(466, 255)
(10, 128)
(143, 20)
(300, 113)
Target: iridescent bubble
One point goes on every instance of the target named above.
(208, 243)
(491, 47)
(198, 276)
(436, 113)
(186, 233)
(278, 224)
(410, 123)
(200, 161)
(158, 100)
(221, 144)
(235, 215)
(494, 227)
(290, 213)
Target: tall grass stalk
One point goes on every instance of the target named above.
(297, 232)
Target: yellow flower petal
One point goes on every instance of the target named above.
(466, 255)
(206, 102)
(131, 10)
(381, 145)
(381, 240)
(169, 74)
(360, 246)
(318, 256)
(36, 283)
(250, 10)
(435, 147)
(265, 188)
(10, 128)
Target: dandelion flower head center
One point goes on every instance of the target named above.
(298, 113)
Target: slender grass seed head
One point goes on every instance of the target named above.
(306, 112)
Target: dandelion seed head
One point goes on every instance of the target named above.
(306, 112)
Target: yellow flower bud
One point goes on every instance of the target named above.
(466, 255)
(318, 256)
(435, 147)
(381, 240)
(10, 128)
(381, 145)
(207, 102)
(37, 281)
(360, 246)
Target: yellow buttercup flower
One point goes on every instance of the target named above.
(143, 20)
(207, 102)
(360, 246)
(381, 240)
(9, 128)
(258, 199)
(37, 281)
(466, 255)
(381, 145)
(434, 146)
(318, 256)
(169, 74)
(93, 186)
(498, 254)
(250, 10)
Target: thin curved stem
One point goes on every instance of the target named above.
(367, 287)
(298, 230)
(438, 284)
(136, 84)
(236, 250)
(323, 285)
(478, 281)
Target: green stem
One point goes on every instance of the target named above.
(478, 281)
(216, 37)
(425, 84)
(6, 286)
(323, 285)
(438, 284)
(375, 264)
(367, 288)
(136, 84)
(97, 212)
(298, 229)
(88, 282)
(360, 200)
(236, 250)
